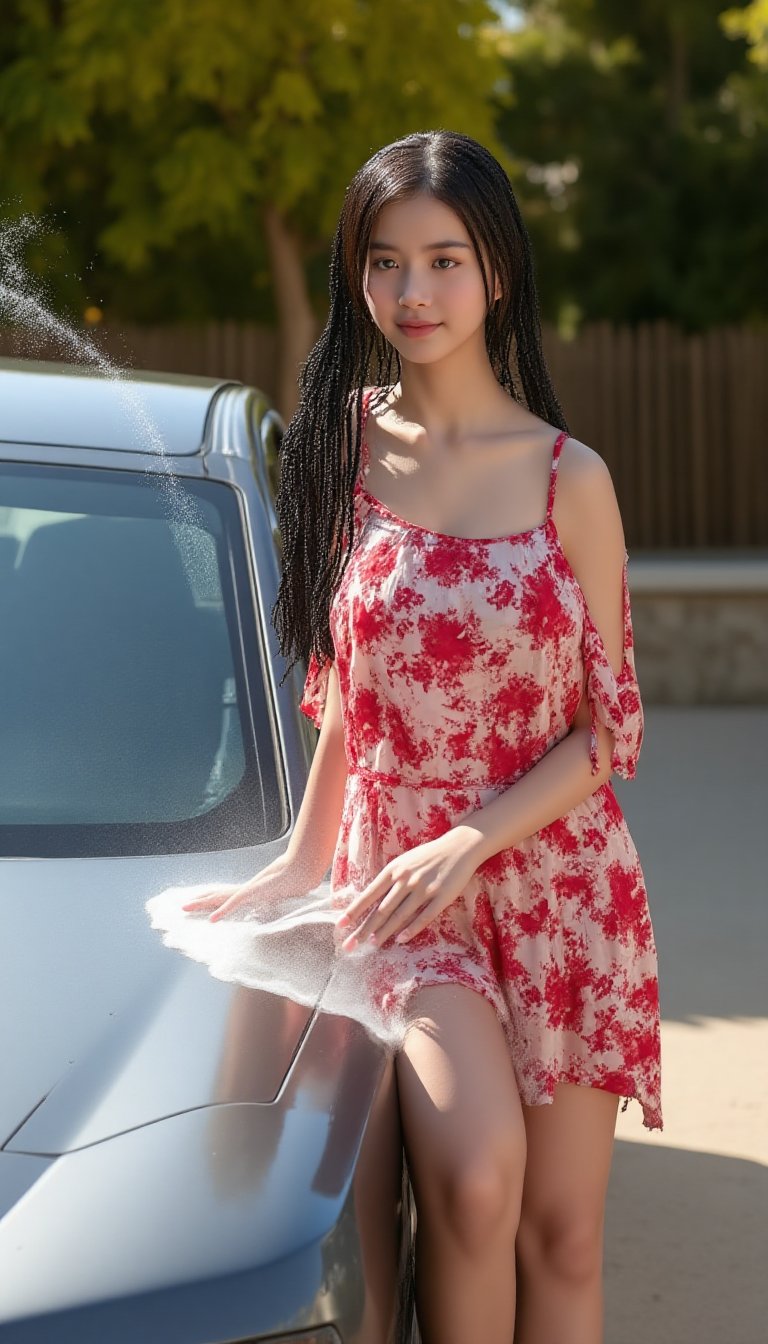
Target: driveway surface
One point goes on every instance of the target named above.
(686, 1238)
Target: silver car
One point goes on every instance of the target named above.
(181, 1159)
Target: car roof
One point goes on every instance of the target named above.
(71, 405)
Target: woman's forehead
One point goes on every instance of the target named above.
(417, 216)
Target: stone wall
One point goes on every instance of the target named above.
(700, 623)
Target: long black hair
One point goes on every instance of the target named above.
(320, 452)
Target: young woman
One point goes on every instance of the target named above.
(455, 576)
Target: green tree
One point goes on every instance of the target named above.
(174, 131)
(645, 161)
(752, 23)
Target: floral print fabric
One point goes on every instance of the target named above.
(460, 664)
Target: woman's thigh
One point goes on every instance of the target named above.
(462, 1118)
(569, 1151)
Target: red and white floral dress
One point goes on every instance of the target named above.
(460, 664)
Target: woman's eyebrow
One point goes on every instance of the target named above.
(379, 246)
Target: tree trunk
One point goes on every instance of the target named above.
(296, 321)
(677, 82)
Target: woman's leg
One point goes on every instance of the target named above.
(559, 1244)
(465, 1142)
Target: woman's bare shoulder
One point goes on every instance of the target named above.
(586, 510)
(577, 459)
(583, 476)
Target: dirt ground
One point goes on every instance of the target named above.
(686, 1243)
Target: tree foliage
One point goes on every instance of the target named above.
(752, 23)
(157, 133)
(645, 147)
(163, 127)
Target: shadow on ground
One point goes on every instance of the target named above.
(686, 1244)
(685, 1248)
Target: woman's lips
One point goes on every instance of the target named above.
(418, 330)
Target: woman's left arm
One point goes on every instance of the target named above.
(592, 537)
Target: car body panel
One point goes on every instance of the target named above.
(62, 455)
(122, 1030)
(18, 1173)
(62, 404)
(215, 1195)
(181, 1158)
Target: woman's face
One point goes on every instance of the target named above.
(421, 267)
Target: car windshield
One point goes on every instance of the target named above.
(133, 712)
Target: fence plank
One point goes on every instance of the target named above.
(645, 453)
(662, 526)
(681, 479)
(698, 464)
(738, 421)
(757, 383)
(624, 393)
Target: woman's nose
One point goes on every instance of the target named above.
(414, 292)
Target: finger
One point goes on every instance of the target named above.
(233, 900)
(232, 904)
(397, 906)
(203, 902)
(401, 919)
(361, 904)
(365, 899)
(389, 908)
(421, 922)
(359, 933)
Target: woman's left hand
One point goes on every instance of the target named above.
(413, 889)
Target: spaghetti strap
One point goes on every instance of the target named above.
(560, 440)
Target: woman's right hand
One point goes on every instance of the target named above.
(278, 879)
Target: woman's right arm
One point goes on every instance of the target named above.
(310, 849)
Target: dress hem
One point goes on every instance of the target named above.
(651, 1113)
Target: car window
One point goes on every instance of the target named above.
(133, 712)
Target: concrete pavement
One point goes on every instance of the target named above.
(686, 1243)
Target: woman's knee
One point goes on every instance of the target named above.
(480, 1200)
(569, 1246)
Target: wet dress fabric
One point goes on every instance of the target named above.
(461, 663)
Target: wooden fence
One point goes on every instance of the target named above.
(679, 419)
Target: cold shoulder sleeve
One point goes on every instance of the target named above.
(615, 701)
(315, 694)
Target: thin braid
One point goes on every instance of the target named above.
(321, 448)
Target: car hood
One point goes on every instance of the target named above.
(102, 1027)
(223, 1222)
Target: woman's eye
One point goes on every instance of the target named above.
(382, 262)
